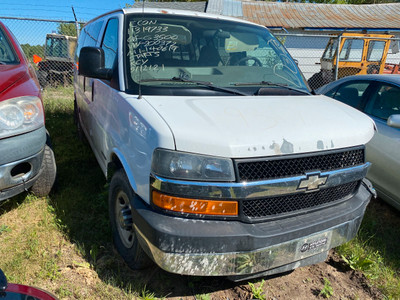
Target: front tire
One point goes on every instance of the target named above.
(123, 231)
(48, 171)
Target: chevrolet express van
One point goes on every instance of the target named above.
(220, 159)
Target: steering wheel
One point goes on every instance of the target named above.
(257, 62)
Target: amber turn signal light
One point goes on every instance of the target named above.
(195, 206)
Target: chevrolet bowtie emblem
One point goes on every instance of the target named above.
(312, 182)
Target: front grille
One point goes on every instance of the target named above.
(268, 207)
(298, 165)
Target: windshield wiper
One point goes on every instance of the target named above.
(204, 83)
(268, 83)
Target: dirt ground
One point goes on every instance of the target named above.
(303, 283)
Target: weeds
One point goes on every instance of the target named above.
(327, 290)
(203, 297)
(258, 293)
(147, 295)
(4, 229)
(374, 251)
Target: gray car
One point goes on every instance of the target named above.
(379, 97)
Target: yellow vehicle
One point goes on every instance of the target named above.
(359, 54)
(57, 65)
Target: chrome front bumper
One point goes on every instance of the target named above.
(233, 248)
(240, 263)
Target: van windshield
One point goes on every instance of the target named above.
(184, 52)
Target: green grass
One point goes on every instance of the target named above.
(375, 250)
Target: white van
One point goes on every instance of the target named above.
(221, 160)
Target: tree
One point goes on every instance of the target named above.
(31, 50)
(67, 29)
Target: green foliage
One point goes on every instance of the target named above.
(94, 252)
(147, 295)
(258, 292)
(30, 50)
(327, 290)
(4, 228)
(203, 297)
(374, 251)
(67, 29)
(356, 262)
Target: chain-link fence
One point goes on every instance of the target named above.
(358, 54)
(50, 46)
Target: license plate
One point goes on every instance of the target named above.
(313, 244)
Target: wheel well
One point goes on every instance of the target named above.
(113, 166)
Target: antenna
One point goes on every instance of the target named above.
(76, 22)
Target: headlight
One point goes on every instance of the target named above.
(186, 166)
(19, 115)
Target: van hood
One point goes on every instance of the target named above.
(256, 126)
(10, 74)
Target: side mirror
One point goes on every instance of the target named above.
(91, 63)
(394, 121)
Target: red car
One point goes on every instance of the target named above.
(26, 158)
(10, 291)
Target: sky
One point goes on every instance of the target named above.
(59, 9)
(34, 33)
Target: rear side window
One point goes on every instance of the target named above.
(385, 102)
(352, 94)
(110, 43)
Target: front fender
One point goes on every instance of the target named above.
(126, 167)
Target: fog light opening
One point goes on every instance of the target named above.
(21, 169)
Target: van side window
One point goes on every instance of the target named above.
(81, 42)
(92, 31)
(110, 43)
(88, 37)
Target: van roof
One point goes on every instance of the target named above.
(164, 11)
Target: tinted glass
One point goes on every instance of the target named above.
(351, 93)
(385, 102)
(7, 55)
(81, 43)
(92, 32)
(110, 43)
